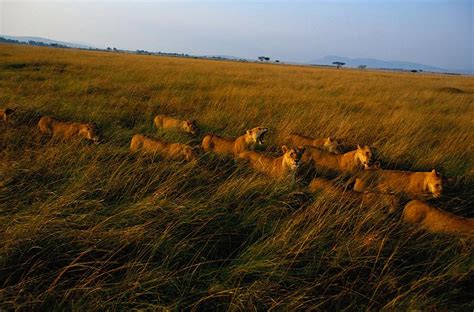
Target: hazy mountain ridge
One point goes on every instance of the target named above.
(48, 41)
(376, 63)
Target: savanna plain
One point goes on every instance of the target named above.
(95, 227)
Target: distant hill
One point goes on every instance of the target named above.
(375, 63)
(226, 57)
(48, 41)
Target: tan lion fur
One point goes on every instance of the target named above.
(245, 142)
(366, 199)
(413, 184)
(327, 144)
(435, 220)
(148, 145)
(347, 162)
(68, 130)
(165, 122)
(280, 167)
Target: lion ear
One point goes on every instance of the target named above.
(249, 131)
(329, 139)
(434, 172)
(284, 148)
(358, 146)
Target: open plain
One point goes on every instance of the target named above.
(96, 227)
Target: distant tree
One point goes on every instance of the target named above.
(115, 49)
(362, 67)
(263, 58)
(339, 64)
(277, 61)
(109, 49)
(414, 71)
(267, 58)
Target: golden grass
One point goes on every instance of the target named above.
(95, 227)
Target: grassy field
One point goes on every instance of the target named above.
(88, 227)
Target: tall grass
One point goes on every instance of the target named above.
(85, 227)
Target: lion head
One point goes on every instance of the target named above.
(256, 135)
(191, 127)
(364, 155)
(292, 156)
(433, 182)
(332, 145)
(89, 131)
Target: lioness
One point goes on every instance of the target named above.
(246, 142)
(322, 184)
(68, 130)
(165, 122)
(281, 167)
(148, 145)
(413, 184)
(435, 220)
(6, 113)
(366, 199)
(327, 144)
(348, 162)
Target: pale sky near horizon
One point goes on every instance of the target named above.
(437, 32)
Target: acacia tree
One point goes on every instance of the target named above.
(339, 64)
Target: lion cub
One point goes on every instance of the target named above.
(165, 122)
(348, 162)
(246, 142)
(327, 144)
(413, 184)
(68, 130)
(281, 167)
(148, 145)
(435, 220)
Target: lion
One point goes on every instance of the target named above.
(327, 144)
(322, 184)
(175, 151)
(366, 199)
(245, 142)
(6, 113)
(434, 220)
(281, 167)
(165, 122)
(347, 162)
(68, 130)
(413, 184)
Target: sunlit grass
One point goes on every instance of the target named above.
(91, 227)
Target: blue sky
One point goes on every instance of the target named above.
(438, 33)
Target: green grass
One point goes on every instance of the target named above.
(93, 227)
